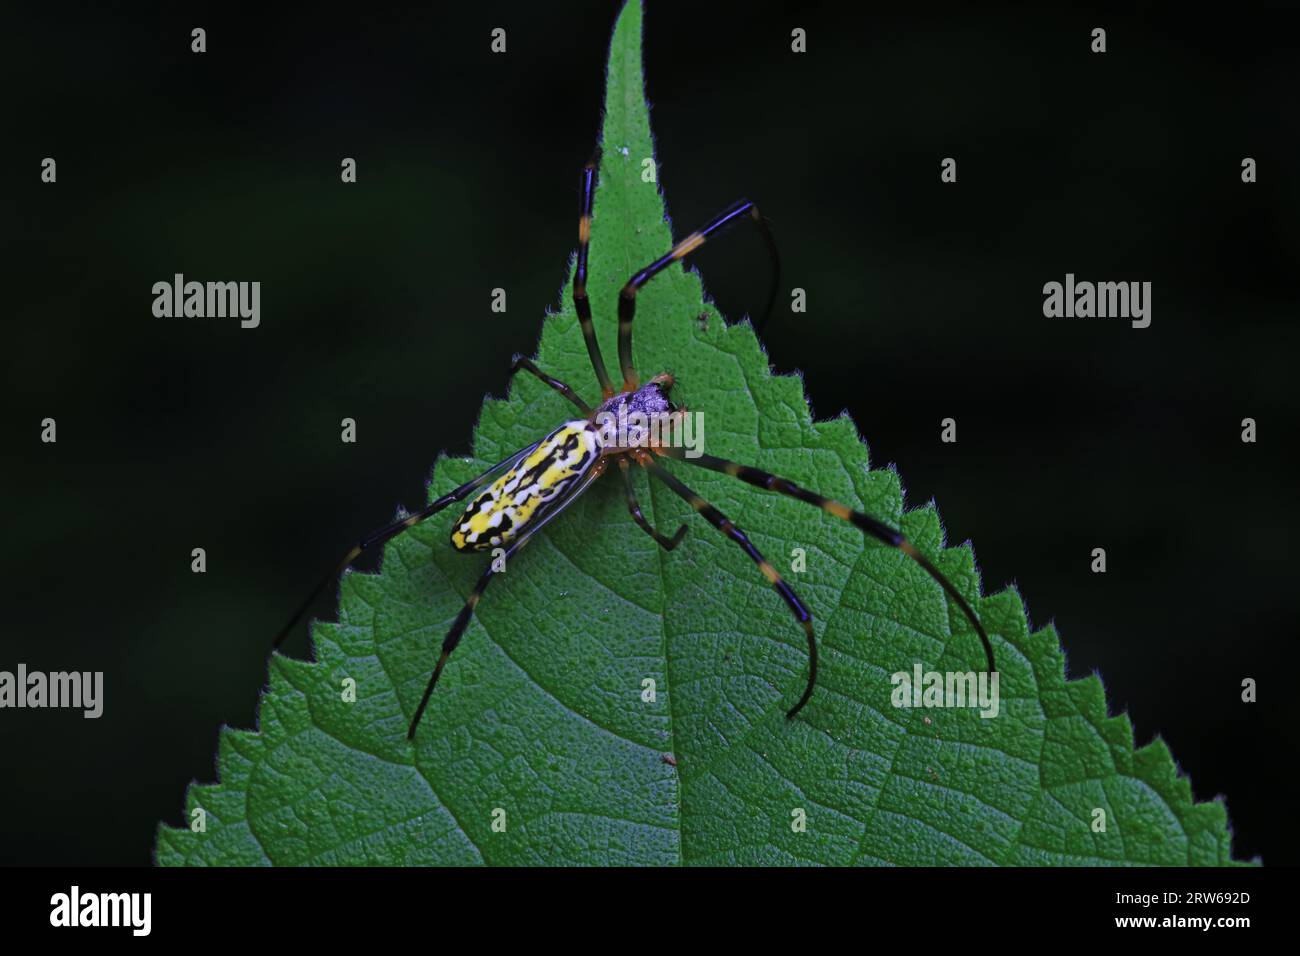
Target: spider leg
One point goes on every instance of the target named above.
(457, 630)
(520, 362)
(634, 507)
(459, 625)
(580, 301)
(393, 530)
(723, 524)
(627, 297)
(877, 529)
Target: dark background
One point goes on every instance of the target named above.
(924, 302)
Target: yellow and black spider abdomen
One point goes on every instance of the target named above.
(511, 503)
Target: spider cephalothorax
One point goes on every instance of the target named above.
(536, 483)
(636, 418)
(649, 399)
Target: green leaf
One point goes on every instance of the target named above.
(540, 713)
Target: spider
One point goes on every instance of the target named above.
(539, 481)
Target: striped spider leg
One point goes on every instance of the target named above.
(464, 538)
(682, 249)
(871, 526)
(391, 531)
(724, 524)
(533, 486)
(581, 304)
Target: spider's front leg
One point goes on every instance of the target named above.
(581, 304)
(627, 297)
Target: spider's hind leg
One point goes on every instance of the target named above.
(877, 529)
(727, 527)
(458, 626)
(457, 631)
(388, 532)
(634, 507)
